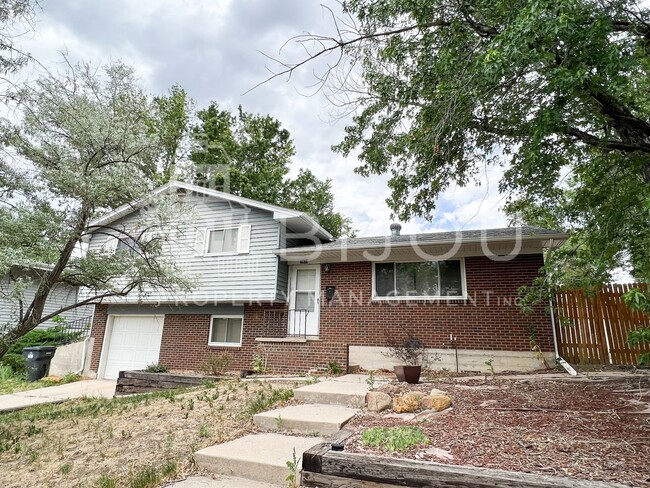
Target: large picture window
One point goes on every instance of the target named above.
(437, 279)
(226, 331)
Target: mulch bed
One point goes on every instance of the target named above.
(594, 430)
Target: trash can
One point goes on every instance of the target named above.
(38, 361)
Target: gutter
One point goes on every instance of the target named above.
(83, 357)
(297, 251)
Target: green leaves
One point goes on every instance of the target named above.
(556, 92)
(255, 152)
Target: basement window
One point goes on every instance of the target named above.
(226, 331)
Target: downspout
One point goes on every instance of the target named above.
(83, 357)
(567, 367)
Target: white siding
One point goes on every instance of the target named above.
(243, 277)
(60, 296)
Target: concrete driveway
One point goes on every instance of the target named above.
(57, 394)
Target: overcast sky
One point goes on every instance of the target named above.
(211, 48)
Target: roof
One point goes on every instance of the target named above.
(535, 238)
(299, 222)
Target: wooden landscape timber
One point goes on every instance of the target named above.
(129, 382)
(324, 468)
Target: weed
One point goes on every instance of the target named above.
(264, 401)
(146, 477)
(370, 380)
(32, 430)
(394, 439)
(292, 477)
(169, 468)
(203, 431)
(66, 468)
(106, 482)
(279, 423)
(334, 368)
(156, 368)
(207, 383)
(489, 364)
(6, 372)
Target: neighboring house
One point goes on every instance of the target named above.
(60, 296)
(270, 281)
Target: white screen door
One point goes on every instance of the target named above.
(304, 300)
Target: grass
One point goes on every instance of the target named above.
(11, 382)
(394, 439)
(138, 441)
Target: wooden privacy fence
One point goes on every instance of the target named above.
(594, 329)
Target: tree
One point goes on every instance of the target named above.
(555, 92)
(83, 148)
(170, 123)
(251, 155)
(12, 14)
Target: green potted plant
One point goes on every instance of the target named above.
(411, 352)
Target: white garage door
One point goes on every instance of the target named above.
(134, 343)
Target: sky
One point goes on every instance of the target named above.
(215, 50)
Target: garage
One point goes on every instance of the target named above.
(132, 342)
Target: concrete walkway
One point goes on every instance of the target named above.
(57, 394)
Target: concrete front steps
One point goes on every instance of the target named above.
(263, 457)
(306, 419)
(348, 390)
(259, 457)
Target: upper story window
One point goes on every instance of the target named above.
(429, 279)
(223, 240)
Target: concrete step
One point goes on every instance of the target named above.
(306, 419)
(222, 482)
(260, 457)
(333, 392)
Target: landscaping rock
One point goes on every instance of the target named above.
(435, 402)
(417, 395)
(406, 404)
(378, 401)
(436, 392)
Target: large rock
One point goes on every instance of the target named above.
(436, 392)
(406, 404)
(378, 401)
(436, 402)
(417, 395)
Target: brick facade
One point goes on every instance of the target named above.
(489, 319)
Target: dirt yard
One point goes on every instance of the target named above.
(595, 430)
(136, 441)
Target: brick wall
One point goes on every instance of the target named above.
(489, 319)
(97, 332)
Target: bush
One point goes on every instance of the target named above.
(217, 364)
(156, 368)
(54, 336)
(16, 362)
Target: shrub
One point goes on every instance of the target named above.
(6, 372)
(16, 362)
(156, 368)
(53, 336)
(217, 364)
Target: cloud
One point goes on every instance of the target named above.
(212, 49)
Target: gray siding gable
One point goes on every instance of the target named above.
(219, 278)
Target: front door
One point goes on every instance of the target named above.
(304, 300)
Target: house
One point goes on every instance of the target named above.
(62, 295)
(269, 281)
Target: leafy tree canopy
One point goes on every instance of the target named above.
(251, 155)
(558, 93)
(83, 147)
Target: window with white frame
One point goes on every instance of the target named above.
(428, 279)
(226, 330)
(223, 240)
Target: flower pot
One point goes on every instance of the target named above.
(410, 374)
